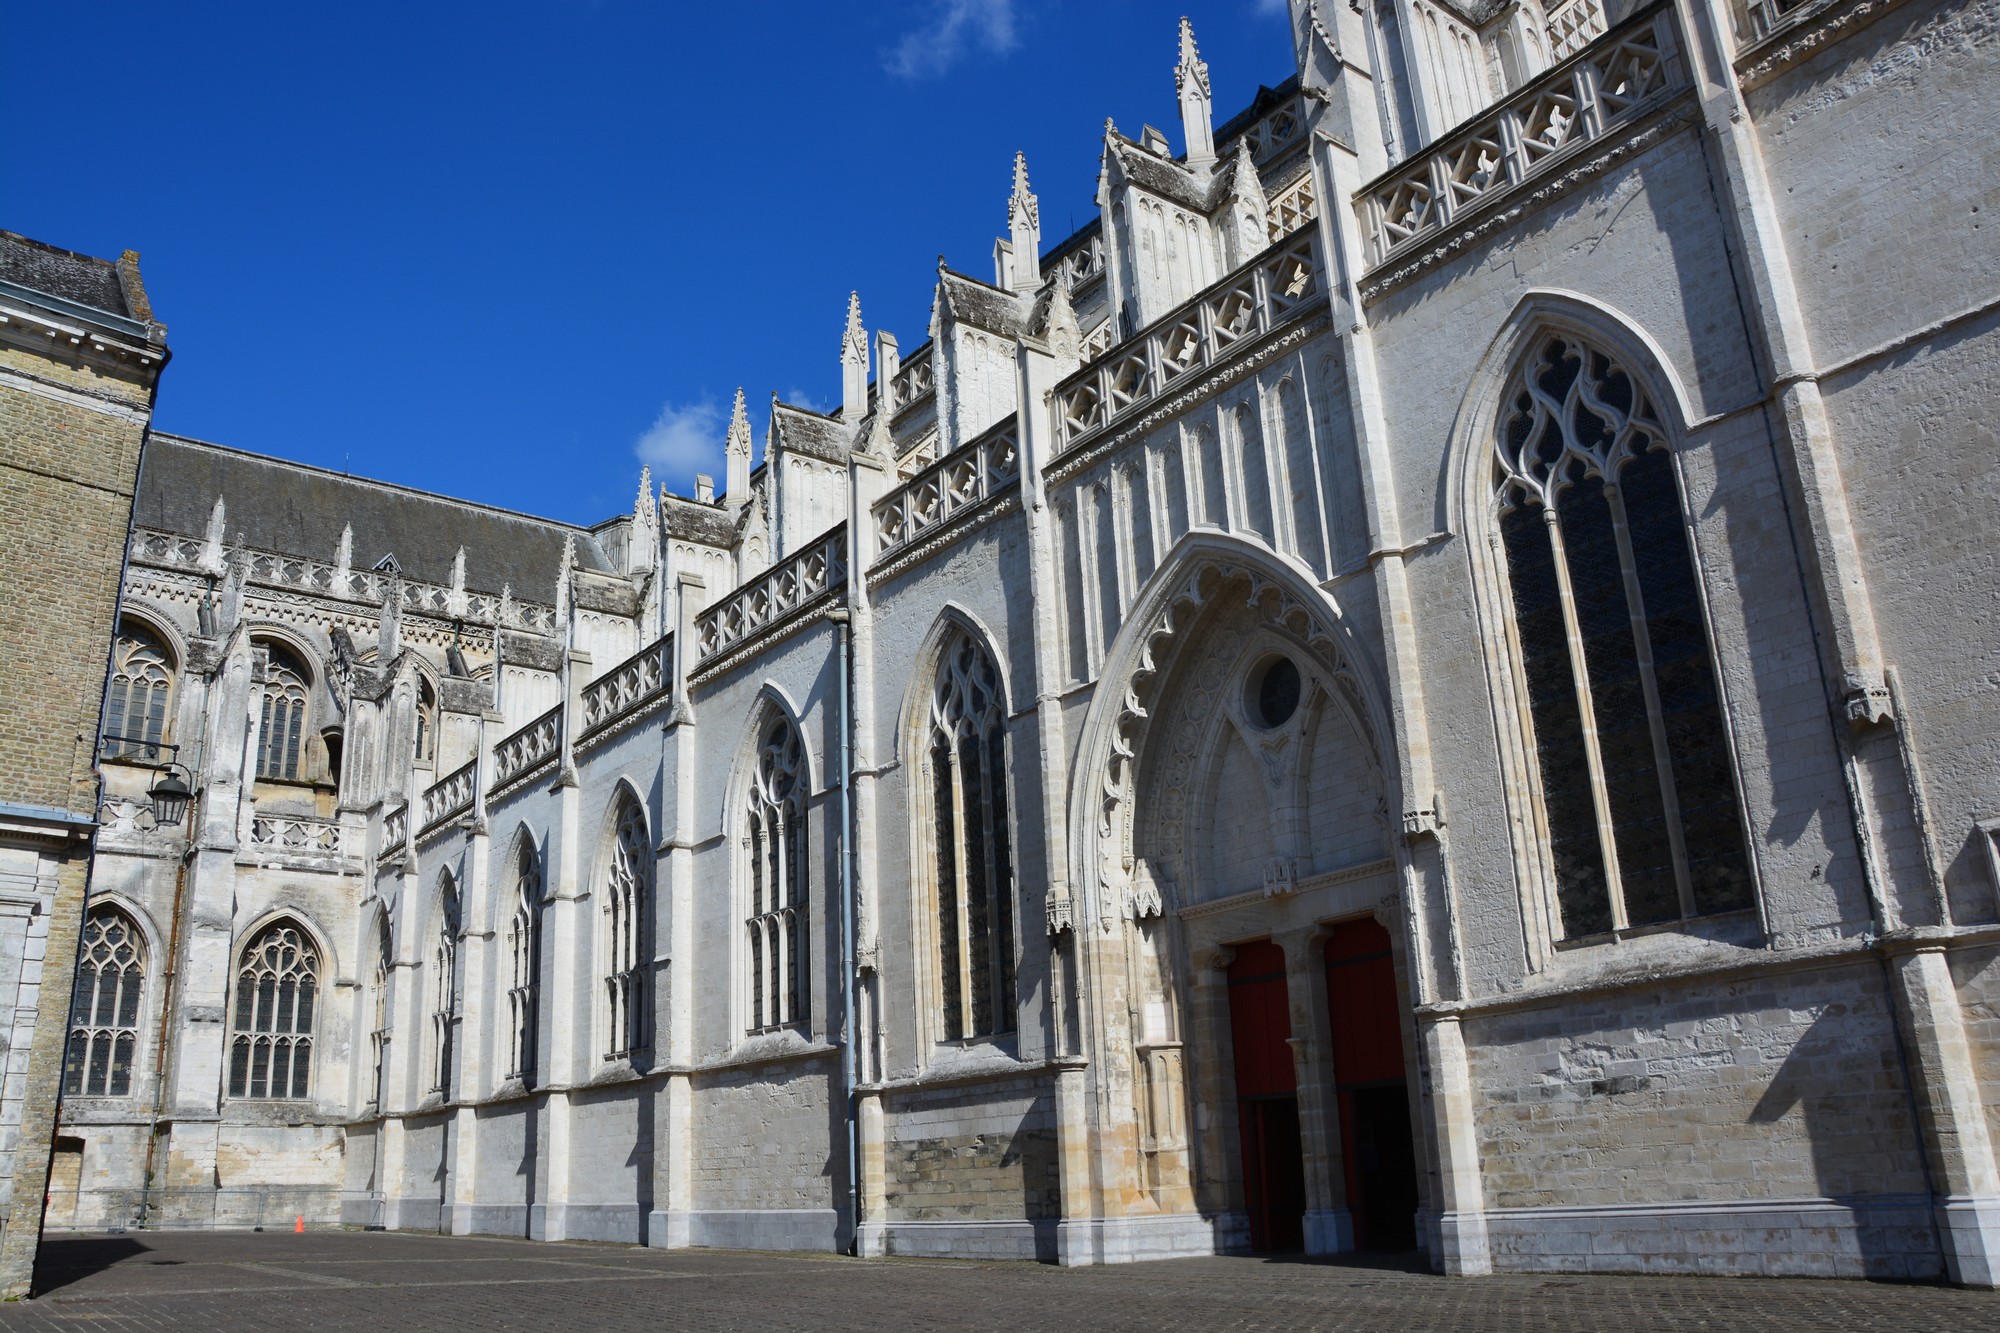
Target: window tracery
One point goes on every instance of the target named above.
(967, 773)
(104, 1007)
(444, 990)
(277, 989)
(378, 1034)
(780, 877)
(524, 935)
(1636, 779)
(281, 739)
(135, 708)
(628, 894)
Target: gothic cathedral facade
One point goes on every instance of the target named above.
(1425, 680)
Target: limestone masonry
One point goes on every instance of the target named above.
(1428, 678)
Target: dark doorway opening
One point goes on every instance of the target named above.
(1267, 1102)
(1372, 1086)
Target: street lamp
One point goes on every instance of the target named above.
(172, 790)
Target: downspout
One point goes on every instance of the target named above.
(849, 1024)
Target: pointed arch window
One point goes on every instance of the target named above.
(277, 993)
(1637, 784)
(135, 708)
(281, 738)
(628, 898)
(378, 1033)
(779, 878)
(444, 989)
(966, 761)
(524, 950)
(104, 1007)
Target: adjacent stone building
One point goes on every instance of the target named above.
(80, 359)
(1423, 679)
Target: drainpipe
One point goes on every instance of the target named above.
(850, 1027)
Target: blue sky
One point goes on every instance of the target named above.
(500, 250)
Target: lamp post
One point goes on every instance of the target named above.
(172, 790)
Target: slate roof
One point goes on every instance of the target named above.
(984, 307)
(1169, 180)
(711, 525)
(274, 505)
(809, 433)
(64, 273)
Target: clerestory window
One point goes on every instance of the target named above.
(444, 989)
(524, 936)
(628, 898)
(281, 738)
(135, 707)
(779, 878)
(967, 776)
(277, 992)
(104, 1007)
(1636, 780)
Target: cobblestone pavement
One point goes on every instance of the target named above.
(221, 1282)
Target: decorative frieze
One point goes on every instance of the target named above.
(528, 749)
(774, 596)
(973, 474)
(449, 797)
(625, 689)
(1610, 83)
(172, 551)
(1280, 285)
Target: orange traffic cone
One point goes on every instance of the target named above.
(299, 1227)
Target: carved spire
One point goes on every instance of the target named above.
(1060, 331)
(1197, 107)
(343, 558)
(454, 601)
(211, 556)
(853, 364)
(1024, 221)
(736, 455)
(1248, 231)
(644, 547)
(563, 570)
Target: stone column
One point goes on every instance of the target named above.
(871, 1241)
(1956, 1139)
(1076, 1239)
(1462, 1249)
(1329, 1225)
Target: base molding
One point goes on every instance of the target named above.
(1000, 1238)
(745, 1229)
(1125, 1240)
(1876, 1236)
(623, 1223)
(1969, 1232)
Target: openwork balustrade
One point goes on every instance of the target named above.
(1765, 16)
(981, 468)
(631, 685)
(450, 796)
(773, 596)
(396, 830)
(299, 835)
(1279, 285)
(1573, 25)
(916, 380)
(361, 585)
(529, 748)
(1291, 208)
(1276, 132)
(1084, 263)
(1612, 81)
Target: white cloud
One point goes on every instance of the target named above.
(954, 27)
(683, 440)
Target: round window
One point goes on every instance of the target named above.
(1274, 692)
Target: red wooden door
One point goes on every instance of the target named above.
(1372, 1086)
(1267, 1104)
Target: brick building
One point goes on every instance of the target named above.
(1424, 678)
(80, 359)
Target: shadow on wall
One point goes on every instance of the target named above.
(1845, 1080)
(61, 1262)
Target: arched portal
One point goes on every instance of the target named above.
(1232, 811)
